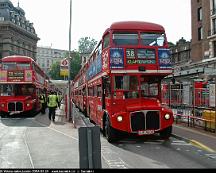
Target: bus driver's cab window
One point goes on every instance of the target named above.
(118, 84)
(149, 88)
(6, 90)
(118, 87)
(128, 86)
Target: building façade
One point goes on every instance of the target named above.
(17, 34)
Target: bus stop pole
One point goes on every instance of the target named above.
(69, 68)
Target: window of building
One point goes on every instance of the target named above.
(200, 33)
(48, 63)
(199, 14)
(214, 26)
(214, 48)
(213, 7)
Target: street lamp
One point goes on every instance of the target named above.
(69, 64)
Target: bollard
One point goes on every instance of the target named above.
(89, 147)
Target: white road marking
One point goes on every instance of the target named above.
(112, 159)
(180, 143)
(31, 161)
(213, 156)
(44, 125)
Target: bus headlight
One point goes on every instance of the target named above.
(119, 118)
(167, 116)
(28, 104)
(2, 105)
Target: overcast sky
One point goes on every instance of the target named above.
(90, 18)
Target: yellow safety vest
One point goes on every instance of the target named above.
(52, 101)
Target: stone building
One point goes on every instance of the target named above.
(46, 56)
(17, 34)
(197, 58)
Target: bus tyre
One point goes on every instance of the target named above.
(166, 133)
(109, 131)
(3, 114)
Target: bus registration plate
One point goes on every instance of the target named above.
(146, 132)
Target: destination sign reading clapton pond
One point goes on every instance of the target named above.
(15, 76)
(140, 56)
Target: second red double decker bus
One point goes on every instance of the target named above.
(21, 83)
(119, 87)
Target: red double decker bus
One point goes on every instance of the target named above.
(119, 87)
(21, 83)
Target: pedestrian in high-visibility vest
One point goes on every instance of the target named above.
(59, 95)
(42, 99)
(52, 102)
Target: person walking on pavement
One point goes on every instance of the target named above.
(59, 95)
(42, 99)
(52, 102)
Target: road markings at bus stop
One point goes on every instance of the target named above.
(212, 156)
(28, 150)
(112, 159)
(180, 143)
(44, 125)
(200, 145)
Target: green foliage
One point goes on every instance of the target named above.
(170, 44)
(54, 73)
(75, 65)
(86, 44)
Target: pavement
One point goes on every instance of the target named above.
(205, 140)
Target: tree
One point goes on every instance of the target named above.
(170, 44)
(75, 64)
(54, 73)
(86, 45)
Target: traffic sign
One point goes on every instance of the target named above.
(64, 62)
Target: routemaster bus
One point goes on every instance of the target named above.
(119, 87)
(21, 83)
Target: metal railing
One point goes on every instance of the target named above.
(191, 106)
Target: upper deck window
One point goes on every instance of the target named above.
(152, 39)
(9, 66)
(14, 66)
(106, 41)
(125, 39)
(23, 66)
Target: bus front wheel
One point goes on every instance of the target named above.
(166, 133)
(109, 131)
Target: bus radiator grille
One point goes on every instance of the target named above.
(19, 106)
(137, 121)
(152, 120)
(15, 106)
(145, 120)
(11, 106)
